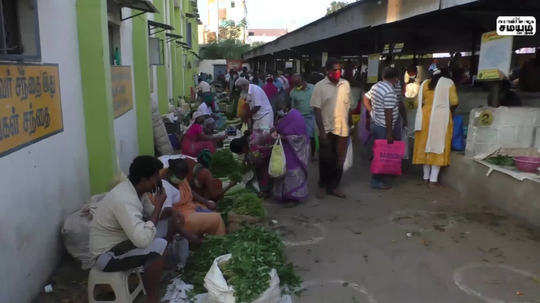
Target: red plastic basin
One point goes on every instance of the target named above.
(527, 164)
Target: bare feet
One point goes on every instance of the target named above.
(337, 193)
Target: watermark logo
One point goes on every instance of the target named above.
(516, 26)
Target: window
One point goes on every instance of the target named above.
(251, 34)
(19, 33)
(155, 46)
(233, 4)
(188, 34)
(114, 14)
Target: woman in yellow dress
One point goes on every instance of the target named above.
(434, 125)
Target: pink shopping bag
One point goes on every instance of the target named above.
(387, 157)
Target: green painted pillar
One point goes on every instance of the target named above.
(97, 95)
(162, 85)
(142, 85)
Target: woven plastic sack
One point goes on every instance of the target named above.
(278, 165)
(76, 231)
(387, 157)
(221, 292)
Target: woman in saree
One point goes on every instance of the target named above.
(201, 180)
(196, 140)
(291, 127)
(200, 219)
(437, 99)
(256, 148)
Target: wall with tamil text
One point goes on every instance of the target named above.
(43, 182)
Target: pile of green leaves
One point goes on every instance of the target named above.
(255, 251)
(242, 202)
(224, 165)
(501, 160)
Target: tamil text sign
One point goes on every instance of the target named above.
(516, 26)
(495, 56)
(30, 106)
(122, 89)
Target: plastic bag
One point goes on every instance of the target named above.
(387, 157)
(407, 133)
(458, 137)
(412, 90)
(278, 165)
(349, 158)
(76, 231)
(220, 292)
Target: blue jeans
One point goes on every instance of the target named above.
(377, 133)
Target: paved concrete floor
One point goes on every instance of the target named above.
(408, 244)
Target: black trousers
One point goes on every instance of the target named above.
(332, 153)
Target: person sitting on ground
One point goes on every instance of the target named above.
(203, 86)
(199, 217)
(195, 140)
(120, 237)
(201, 179)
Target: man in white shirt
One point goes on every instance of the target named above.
(261, 112)
(120, 237)
(331, 103)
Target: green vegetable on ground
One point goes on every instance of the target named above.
(242, 202)
(501, 160)
(255, 251)
(223, 164)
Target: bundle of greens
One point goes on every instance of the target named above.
(501, 160)
(242, 202)
(224, 165)
(255, 251)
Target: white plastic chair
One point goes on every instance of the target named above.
(118, 282)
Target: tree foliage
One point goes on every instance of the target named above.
(335, 6)
(226, 49)
(229, 30)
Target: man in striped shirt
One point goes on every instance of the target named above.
(383, 104)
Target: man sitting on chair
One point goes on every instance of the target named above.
(120, 237)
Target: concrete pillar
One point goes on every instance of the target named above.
(142, 85)
(92, 27)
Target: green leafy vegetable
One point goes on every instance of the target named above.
(501, 160)
(224, 165)
(255, 251)
(249, 204)
(242, 202)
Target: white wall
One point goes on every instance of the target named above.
(42, 183)
(207, 66)
(125, 126)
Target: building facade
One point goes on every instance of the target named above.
(78, 82)
(264, 35)
(219, 11)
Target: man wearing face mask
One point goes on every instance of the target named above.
(331, 103)
(120, 236)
